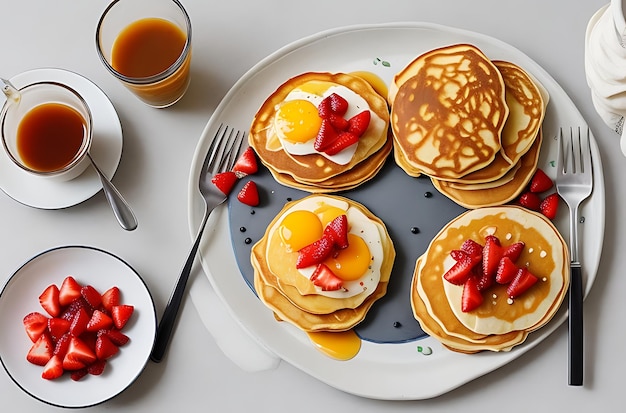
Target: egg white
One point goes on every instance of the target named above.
(356, 104)
(360, 225)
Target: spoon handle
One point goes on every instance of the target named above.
(121, 209)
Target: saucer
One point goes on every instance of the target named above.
(106, 149)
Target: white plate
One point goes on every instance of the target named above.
(89, 266)
(380, 371)
(106, 149)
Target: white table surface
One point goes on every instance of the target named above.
(229, 37)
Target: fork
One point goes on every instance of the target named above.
(574, 183)
(221, 156)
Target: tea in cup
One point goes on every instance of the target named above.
(47, 130)
(146, 44)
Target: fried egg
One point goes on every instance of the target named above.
(296, 120)
(358, 265)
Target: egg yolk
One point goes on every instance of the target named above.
(299, 229)
(297, 121)
(327, 213)
(351, 262)
(341, 345)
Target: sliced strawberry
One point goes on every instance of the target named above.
(514, 250)
(70, 311)
(78, 374)
(472, 297)
(246, 163)
(35, 324)
(105, 347)
(97, 367)
(121, 314)
(57, 327)
(540, 182)
(78, 350)
(507, 270)
(339, 122)
(523, 280)
(99, 321)
(53, 369)
(69, 291)
(324, 278)
(462, 269)
(325, 136)
(530, 200)
(79, 322)
(483, 281)
(492, 253)
(550, 205)
(41, 351)
(323, 109)
(344, 140)
(225, 181)
(116, 336)
(472, 247)
(358, 123)
(332, 103)
(62, 345)
(49, 300)
(249, 194)
(71, 364)
(110, 298)
(337, 230)
(91, 295)
(315, 252)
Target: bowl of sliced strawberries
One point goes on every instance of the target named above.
(78, 325)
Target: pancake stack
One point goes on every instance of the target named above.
(291, 293)
(471, 124)
(312, 171)
(499, 323)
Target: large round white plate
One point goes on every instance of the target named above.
(106, 149)
(381, 371)
(89, 266)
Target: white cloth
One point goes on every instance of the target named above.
(605, 66)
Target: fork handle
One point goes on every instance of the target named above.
(576, 326)
(164, 330)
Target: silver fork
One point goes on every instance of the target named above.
(574, 183)
(221, 156)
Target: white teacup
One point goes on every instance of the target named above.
(47, 130)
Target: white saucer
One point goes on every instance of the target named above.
(106, 149)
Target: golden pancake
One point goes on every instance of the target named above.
(474, 196)
(340, 320)
(349, 179)
(465, 341)
(499, 322)
(448, 109)
(312, 169)
(527, 106)
(289, 291)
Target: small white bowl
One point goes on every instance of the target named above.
(89, 266)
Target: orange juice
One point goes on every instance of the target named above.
(149, 47)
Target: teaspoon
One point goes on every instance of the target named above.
(121, 209)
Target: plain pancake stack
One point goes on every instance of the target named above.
(499, 323)
(471, 124)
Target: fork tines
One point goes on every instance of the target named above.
(576, 156)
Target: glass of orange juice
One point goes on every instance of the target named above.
(146, 44)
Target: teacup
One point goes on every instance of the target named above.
(47, 130)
